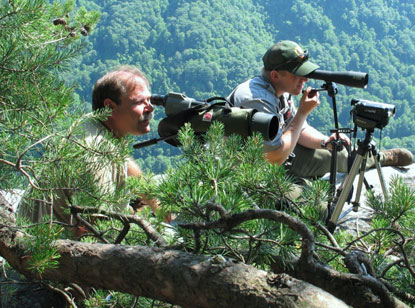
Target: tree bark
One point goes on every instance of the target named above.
(359, 291)
(172, 276)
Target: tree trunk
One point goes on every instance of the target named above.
(172, 276)
(359, 291)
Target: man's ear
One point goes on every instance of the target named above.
(274, 75)
(109, 103)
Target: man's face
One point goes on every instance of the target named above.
(288, 82)
(133, 114)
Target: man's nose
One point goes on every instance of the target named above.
(149, 106)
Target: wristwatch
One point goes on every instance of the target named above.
(323, 144)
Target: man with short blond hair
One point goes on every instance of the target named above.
(284, 75)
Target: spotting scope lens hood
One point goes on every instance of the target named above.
(348, 78)
(266, 124)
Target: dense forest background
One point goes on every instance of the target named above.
(204, 48)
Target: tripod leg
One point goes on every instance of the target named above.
(381, 178)
(333, 177)
(360, 184)
(345, 190)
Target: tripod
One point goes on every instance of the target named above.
(365, 148)
(336, 144)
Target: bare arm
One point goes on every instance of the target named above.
(134, 170)
(311, 138)
(292, 133)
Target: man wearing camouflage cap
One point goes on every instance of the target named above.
(284, 74)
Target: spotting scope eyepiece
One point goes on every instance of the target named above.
(348, 78)
(158, 100)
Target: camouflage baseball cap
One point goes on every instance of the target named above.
(288, 56)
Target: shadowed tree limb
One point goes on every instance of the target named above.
(356, 290)
(172, 276)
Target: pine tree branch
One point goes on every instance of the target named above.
(147, 228)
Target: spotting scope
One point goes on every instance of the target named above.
(181, 109)
(348, 78)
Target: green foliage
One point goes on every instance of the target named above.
(201, 48)
(317, 195)
(33, 51)
(389, 243)
(42, 131)
(36, 111)
(206, 48)
(400, 204)
(218, 177)
(43, 254)
(102, 298)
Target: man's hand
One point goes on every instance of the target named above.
(307, 104)
(344, 139)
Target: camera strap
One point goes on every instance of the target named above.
(171, 125)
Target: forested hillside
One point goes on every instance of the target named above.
(204, 48)
(224, 234)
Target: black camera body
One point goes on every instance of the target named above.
(371, 115)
